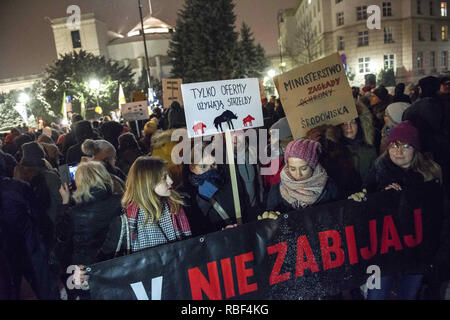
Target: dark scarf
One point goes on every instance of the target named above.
(213, 176)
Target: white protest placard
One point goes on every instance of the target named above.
(316, 94)
(221, 106)
(134, 111)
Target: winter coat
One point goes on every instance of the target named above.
(431, 118)
(81, 230)
(249, 176)
(275, 202)
(7, 164)
(46, 184)
(384, 172)
(20, 240)
(126, 159)
(204, 216)
(74, 154)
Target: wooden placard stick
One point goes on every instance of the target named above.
(230, 156)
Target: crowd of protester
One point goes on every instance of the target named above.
(127, 184)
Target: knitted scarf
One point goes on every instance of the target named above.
(169, 228)
(213, 176)
(301, 194)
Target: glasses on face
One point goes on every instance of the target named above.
(403, 146)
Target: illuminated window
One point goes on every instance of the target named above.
(364, 65)
(444, 33)
(443, 8)
(389, 61)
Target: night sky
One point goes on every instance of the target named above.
(27, 42)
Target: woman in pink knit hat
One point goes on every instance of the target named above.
(304, 182)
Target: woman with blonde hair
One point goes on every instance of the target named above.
(82, 226)
(154, 212)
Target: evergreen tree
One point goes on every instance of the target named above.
(247, 53)
(386, 77)
(142, 83)
(9, 117)
(204, 46)
(71, 74)
(262, 63)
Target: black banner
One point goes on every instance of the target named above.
(304, 254)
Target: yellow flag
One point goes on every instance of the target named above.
(121, 96)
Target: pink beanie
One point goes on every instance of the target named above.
(307, 150)
(405, 132)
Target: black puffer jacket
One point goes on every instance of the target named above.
(384, 172)
(22, 252)
(81, 230)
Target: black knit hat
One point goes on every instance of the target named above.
(430, 86)
(381, 92)
(83, 130)
(33, 155)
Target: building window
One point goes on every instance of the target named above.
(388, 35)
(361, 13)
(444, 60)
(363, 38)
(431, 8)
(443, 8)
(364, 65)
(419, 61)
(341, 45)
(337, 1)
(419, 33)
(387, 9)
(340, 18)
(432, 33)
(76, 40)
(419, 7)
(433, 60)
(444, 33)
(389, 61)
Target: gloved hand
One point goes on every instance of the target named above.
(207, 190)
(359, 196)
(269, 215)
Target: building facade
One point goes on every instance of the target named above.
(93, 36)
(411, 38)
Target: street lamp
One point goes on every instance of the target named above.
(24, 98)
(271, 73)
(21, 107)
(94, 85)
